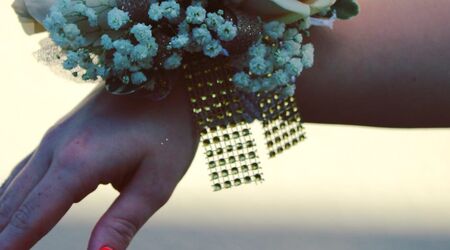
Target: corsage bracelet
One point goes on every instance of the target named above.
(239, 60)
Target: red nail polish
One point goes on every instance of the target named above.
(106, 248)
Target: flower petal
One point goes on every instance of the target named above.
(39, 9)
(320, 5)
(294, 6)
(276, 8)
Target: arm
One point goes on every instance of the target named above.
(390, 66)
(376, 70)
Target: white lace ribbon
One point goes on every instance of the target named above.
(324, 22)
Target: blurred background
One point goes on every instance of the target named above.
(345, 187)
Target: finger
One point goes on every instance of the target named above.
(42, 209)
(14, 173)
(21, 185)
(140, 199)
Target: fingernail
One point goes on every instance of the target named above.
(106, 248)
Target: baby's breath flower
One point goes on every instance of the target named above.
(293, 48)
(155, 12)
(78, 42)
(142, 33)
(274, 29)
(152, 47)
(123, 46)
(308, 55)
(117, 18)
(179, 41)
(139, 52)
(173, 61)
(91, 73)
(195, 14)
(212, 49)
(121, 62)
(170, 9)
(102, 71)
(201, 35)
(71, 31)
(267, 85)
(241, 79)
(255, 85)
(294, 67)
(259, 66)
(106, 42)
(54, 21)
(126, 79)
(288, 90)
(227, 31)
(258, 50)
(280, 78)
(281, 57)
(72, 60)
(145, 64)
(60, 40)
(184, 28)
(213, 20)
(92, 17)
(138, 78)
(79, 8)
(289, 34)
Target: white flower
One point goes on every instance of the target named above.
(117, 18)
(293, 9)
(308, 55)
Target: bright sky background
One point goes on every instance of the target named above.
(341, 177)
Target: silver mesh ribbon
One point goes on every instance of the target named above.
(223, 114)
(282, 123)
(226, 136)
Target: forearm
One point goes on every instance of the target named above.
(387, 67)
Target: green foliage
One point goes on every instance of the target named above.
(346, 9)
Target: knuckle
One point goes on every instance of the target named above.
(5, 211)
(73, 157)
(122, 230)
(52, 134)
(79, 148)
(73, 184)
(159, 195)
(21, 218)
(70, 155)
(161, 199)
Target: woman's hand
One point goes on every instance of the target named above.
(142, 148)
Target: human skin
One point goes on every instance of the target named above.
(389, 66)
(142, 148)
(384, 68)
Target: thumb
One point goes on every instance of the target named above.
(129, 212)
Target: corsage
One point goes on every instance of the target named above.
(239, 59)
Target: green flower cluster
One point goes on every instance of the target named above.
(62, 23)
(127, 50)
(275, 62)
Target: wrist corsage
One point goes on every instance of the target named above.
(240, 60)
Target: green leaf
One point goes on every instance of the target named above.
(346, 9)
(290, 18)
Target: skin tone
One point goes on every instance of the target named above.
(387, 67)
(144, 148)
